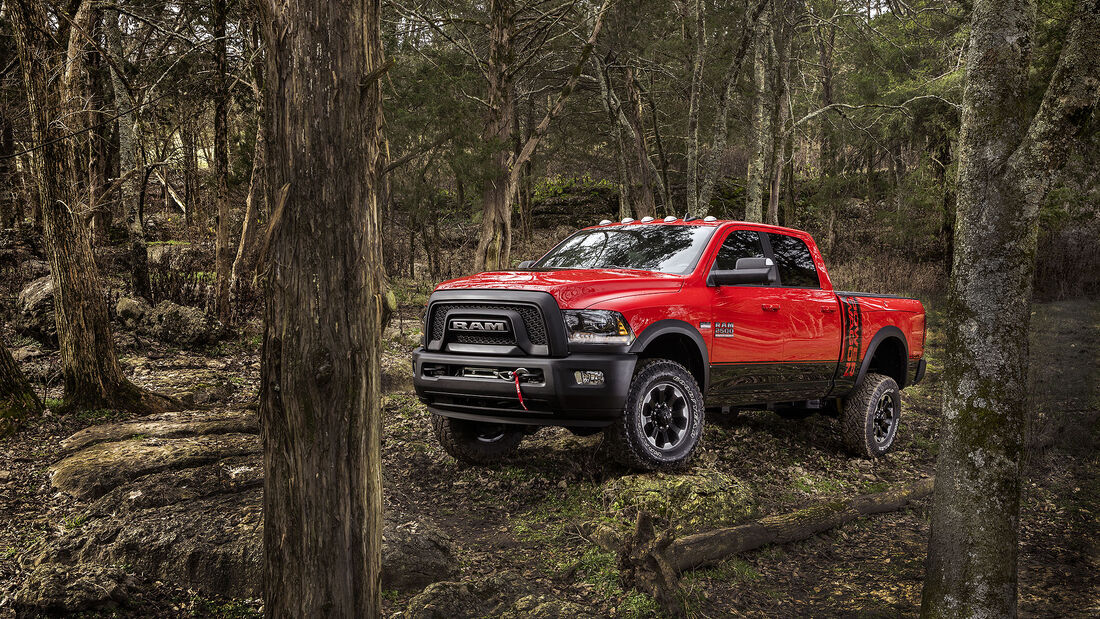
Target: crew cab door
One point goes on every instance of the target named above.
(812, 348)
(748, 331)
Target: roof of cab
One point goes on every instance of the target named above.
(695, 221)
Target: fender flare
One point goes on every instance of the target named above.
(882, 334)
(669, 326)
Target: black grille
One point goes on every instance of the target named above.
(484, 338)
(532, 321)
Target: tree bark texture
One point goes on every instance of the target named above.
(319, 398)
(92, 376)
(494, 244)
(223, 249)
(754, 177)
(786, 16)
(17, 398)
(1006, 167)
(694, 103)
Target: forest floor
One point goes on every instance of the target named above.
(523, 522)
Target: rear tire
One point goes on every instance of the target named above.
(870, 416)
(476, 442)
(662, 423)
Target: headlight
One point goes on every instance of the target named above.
(597, 327)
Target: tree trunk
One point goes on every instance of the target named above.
(663, 185)
(694, 103)
(652, 561)
(947, 225)
(643, 165)
(245, 260)
(319, 400)
(92, 376)
(130, 161)
(625, 184)
(754, 177)
(223, 250)
(1006, 166)
(826, 46)
(8, 197)
(494, 244)
(725, 104)
(17, 398)
(781, 49)
(194, 210)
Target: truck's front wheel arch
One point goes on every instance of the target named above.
(677, 341)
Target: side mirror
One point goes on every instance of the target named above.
(747, 271)
(526, 264)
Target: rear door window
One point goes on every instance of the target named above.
(796, 264)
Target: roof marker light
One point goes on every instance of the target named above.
(627, 220)
(710, 218)
(646, 220)
(605, 222)
(670, 219)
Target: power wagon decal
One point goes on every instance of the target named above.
(851, 343)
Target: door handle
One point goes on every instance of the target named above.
(828, 309)
(768, 307)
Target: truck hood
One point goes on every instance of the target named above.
(573, 288)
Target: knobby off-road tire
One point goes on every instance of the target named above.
(475, 442)
(662, 424)
(870, 416)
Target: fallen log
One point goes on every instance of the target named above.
(652, 561)
(710, 547)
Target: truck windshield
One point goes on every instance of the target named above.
(661, 248)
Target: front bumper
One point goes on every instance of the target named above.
(555, 399)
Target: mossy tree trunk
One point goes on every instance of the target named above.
(1006, 167)
(17, 398)
(321, 389)
(92, 376)
(754, 176)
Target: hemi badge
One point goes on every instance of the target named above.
(704, 325)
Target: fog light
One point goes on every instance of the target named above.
(588, 377)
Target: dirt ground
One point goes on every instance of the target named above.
(524, 520)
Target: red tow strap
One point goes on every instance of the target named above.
(519, 393)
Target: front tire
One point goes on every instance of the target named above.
(870, 416)
(476, 442)
(662, 423)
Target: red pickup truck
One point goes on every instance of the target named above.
(639, 328)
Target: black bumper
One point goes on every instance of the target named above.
(556, 399)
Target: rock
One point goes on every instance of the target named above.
(34, 313)
(34, 268)
(443, 600)
(180, 325)
(542, 607)
(213, 544)
(92, 472)
(167, 425)
(178, 497)
(130, 311)
(689, 503)
(5, 476)
(52, 588)
(26, 353)
(414, 554)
